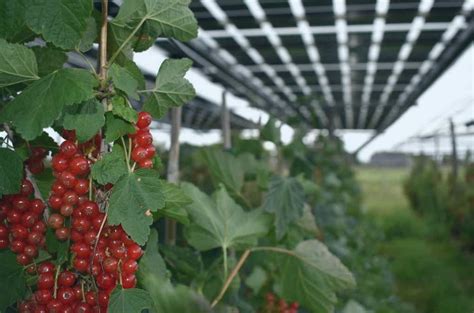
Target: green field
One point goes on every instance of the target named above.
(431, 271)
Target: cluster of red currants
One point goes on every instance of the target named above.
(111, 260)
(143, 150)
(280, 306)
(21, 225)
(69, 190)
(59, 291)
(35, 163)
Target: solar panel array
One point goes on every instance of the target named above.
(353, 64)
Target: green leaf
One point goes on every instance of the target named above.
(184, 262)
(285, 199)
(175, 203)
(12, 21)
(12, 278)
(257, 279)
(116, 127)
(121, 108)
(135, 71)
(124, 81)
(49, 59)
(220, 222)
(44, 141)
(270, 132)
(88, 37)
(39, 105)
(11, 172)
(154, 277)
(86, 118)
(170, 18)
(61, 22)
(171, 88)
(131, 300)
(225, 169)
(131, 198)
(17, 64)
(57, 247)
(312, 275)
(45, 181)
(110, 167)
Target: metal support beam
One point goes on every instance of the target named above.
(173, 168)
(366, 143)
(329, 29)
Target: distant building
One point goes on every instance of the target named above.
(390, 159)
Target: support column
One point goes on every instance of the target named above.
(454, 154)
(173, 168)
(226, 134)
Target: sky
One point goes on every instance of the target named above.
(452, 95)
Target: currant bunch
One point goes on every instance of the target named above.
(69, 190)
(143, 150)
(60, 291)
(280, 306)
(111, 259)
(21, 225)
(35, 162)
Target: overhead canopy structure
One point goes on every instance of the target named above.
(347, 64)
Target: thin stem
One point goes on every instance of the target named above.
(231, 277)
(103, 42)
(127, 158)
(224, 255)
(58, 269)
(90, 187)
(87, 61)
(117, 52)
(133, 166)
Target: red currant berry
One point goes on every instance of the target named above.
(143, 139)
(31, 251)
(81, 265)
(144, 119)
(81, 224)
(130, 267)
(68, 179)
(20, 203)
(110, 265)
(66, 210)
(79, 165)
(56, 221)
(46, 267)
(139, 154)
(34, 238)
(59, 163)
(105, 281)
(23, 259)
(46, 280)
(129, 281)
(43, 296)
(82, 186)
(55, 202)
(62, 233)
(134, 252)
(58, 189)
(68, 148)
(66, 279)
(147, 163)
(70, 197)
(26, 188)
(37, 206)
